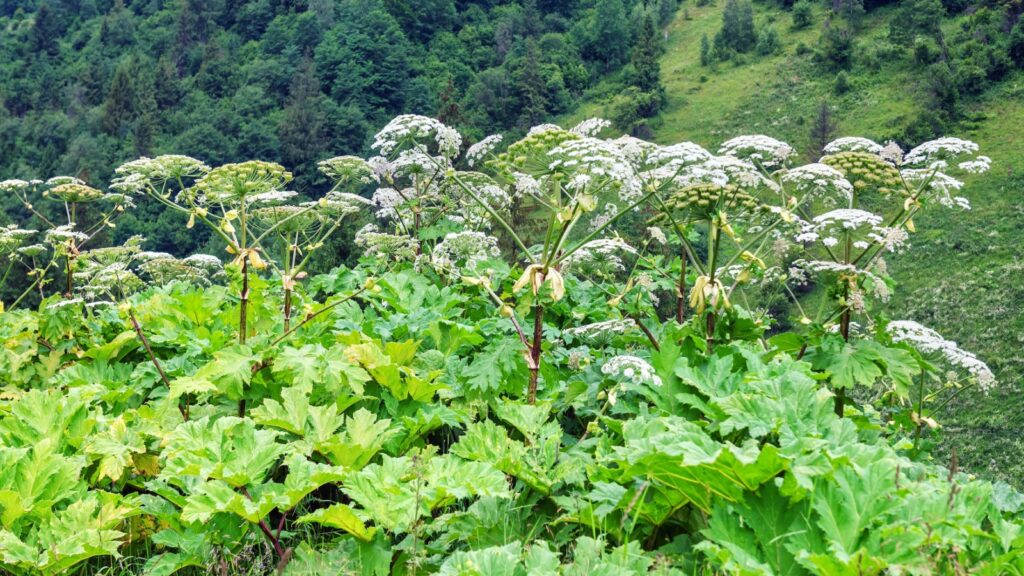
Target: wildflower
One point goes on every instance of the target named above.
(74, 192)
(478, 151)
(460, 253)
(819, 181)
(345, 169)
(867, 170)
(603, 329)
(601, 161)
(892, 153)
(590, 127)
(852, 144)
(929, 341)
(135, 175)
(762, 150)
(599, 256)
(634, 369)
(412, 128)
(12, 238)
(979, 165)
(656, 234)
(232, 183)
(941, 149)
(64, 233)
(270, 198)
(391, 246)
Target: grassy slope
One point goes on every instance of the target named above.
(964, 275)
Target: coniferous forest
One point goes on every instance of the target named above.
(397, 287)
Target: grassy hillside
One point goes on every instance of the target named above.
(964, 276)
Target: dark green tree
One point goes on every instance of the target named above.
(738, 31)
(802, 15)
(302, 130)
(531, 87)
(610, 33)
(705, 50)
(823, 131)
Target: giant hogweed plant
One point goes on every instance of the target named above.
(399, 427)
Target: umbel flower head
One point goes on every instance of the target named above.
(531, 154)
(703, 201)
(73, 192)
(852, 144)
(819, 181)
(415, 130)
(461, 253)
(762, 150)
(867, 171)
(136, 175)
(232, 183)
(929, 341)
(12, 238)
(347, 169)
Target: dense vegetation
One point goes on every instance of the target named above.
(503, 384)
(791, 95)
(453, 354)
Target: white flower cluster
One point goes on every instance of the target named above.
(65, 233)
(460, 253)
(892, 153)
(270, 198)
(476, 153)
(601, 255)
(929, 341)
(473, 212)
(526, 185)
(12, 238)
(388, 202)
(408, 128)
(635, 369)
(762, 150)
(943, 185)
(204, 261)
(828, 226)
(939, 150)
(602, 330)
(636, 150)
(723, 171)
(800, 271)
(134, 176)
(979, 165)
(852, 144)
(666, 161)
(590, 127)
(819, 181)
(600, 160)
(339, 204)
(347, 169)
(16, 185)
(391, 246)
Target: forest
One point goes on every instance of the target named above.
(373, 287)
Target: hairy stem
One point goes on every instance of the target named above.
(152, 357)
(535, 350)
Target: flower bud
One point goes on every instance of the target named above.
(505, 311)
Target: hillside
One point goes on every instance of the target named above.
(963, 276)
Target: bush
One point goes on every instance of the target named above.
(1015, 46)
(803, 15)
(768, 42)
(842, 84)
(926, 51)
(836, 48)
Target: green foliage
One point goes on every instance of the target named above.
(802, 15)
